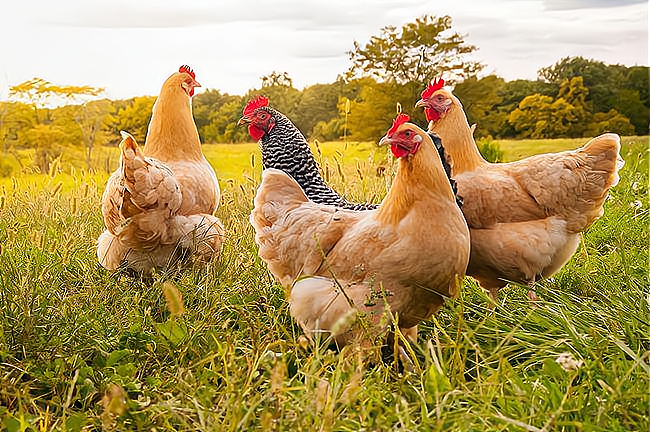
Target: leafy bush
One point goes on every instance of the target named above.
(490, 150)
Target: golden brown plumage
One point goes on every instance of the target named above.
(161, 201)
(415, 245)
(525, 217)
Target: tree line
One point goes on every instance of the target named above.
(575, 97)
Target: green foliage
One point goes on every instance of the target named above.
(562, 104)
(375, 105)
(283, 97)
(417, 52)
(223, 124)
(610, 87)
(330, 131)
(611, 121)
(85, 349)
(490, 150)
(540, 116)
(629, 103)
(318, 104)
(534, 118)
(216, 117)
(49, 139)
(575, 94)
(38, 91)
(134, 117)
(481, 99)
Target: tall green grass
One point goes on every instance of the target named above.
(85, 349)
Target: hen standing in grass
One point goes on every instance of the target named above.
(159, 204)
(525, 217)
(406, 256)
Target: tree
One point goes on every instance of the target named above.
(481, 99)
(223, 123)
(278, 87)
(39, 93)
(417, 52)
(94, 119)
(135, 116)
(575, 94)
(317, 104)
(539, 116)
(611, 121)
(206, 107)
(15, 117)
(375, 106)
(603, 81)
(277, 79)
(633, 98)
(628, 102)
(47, 139)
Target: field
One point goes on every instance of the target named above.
(84, 349)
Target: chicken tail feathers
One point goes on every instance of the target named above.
(148, 183)
(604, 152)
(599, 162)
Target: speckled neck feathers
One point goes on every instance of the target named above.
(285, 148)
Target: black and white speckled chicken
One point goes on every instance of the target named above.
(285, 148)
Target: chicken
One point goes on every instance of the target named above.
(525, 217)
(159, 203)
(284, 147)
(406, 256)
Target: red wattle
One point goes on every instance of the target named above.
(398, 151)
(431, 114)
(255, 132)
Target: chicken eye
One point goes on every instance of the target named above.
(263, 116)
(407, 133)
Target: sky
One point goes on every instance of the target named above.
(130, 47)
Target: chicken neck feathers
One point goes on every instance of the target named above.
(172, 134)
(286, 149)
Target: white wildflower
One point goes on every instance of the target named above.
(636, 204)
(567, 362)
(635, 185)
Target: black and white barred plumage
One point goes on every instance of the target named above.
(284, 147)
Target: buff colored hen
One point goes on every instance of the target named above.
(406, 256)
(525, 217)
(159, 204)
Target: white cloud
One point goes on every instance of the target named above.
(130, 47)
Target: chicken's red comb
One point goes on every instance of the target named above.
(255, 103)
(188, 70)
(399, 120)
(436, 84)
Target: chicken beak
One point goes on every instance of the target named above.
(243, 120)
(196, 84)
(384, 141)
(421, 103)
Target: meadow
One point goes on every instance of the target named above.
(214, 348)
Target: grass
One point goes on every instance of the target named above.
(84, 349)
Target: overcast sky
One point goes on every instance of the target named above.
(130, 47)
